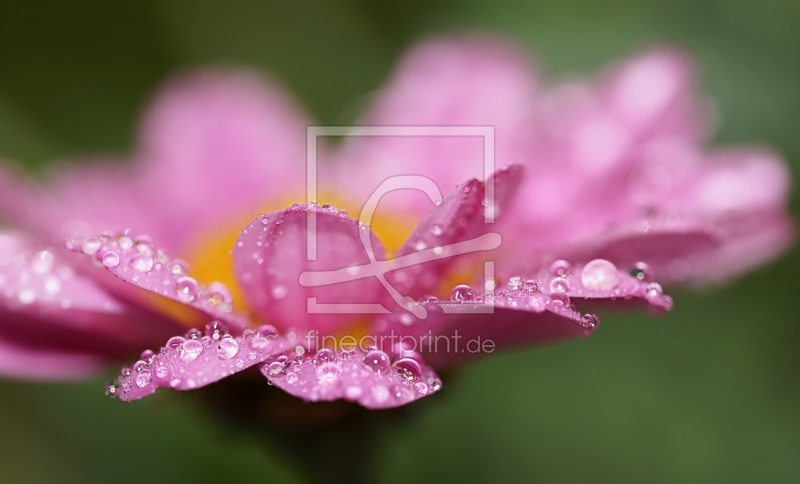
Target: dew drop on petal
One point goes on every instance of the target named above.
(462, 293)
(560, 299)
(377, 361)
(560, 268)
(142, 263)
(190, 350)
(408, 368)
(642, 272)
(111, 259)
(325, 355)
(187, 288)
(559, 284)
(600, 275)
(275, 370)
(227, 348)
(90, 246)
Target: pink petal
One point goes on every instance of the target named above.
(460, 216)
(45, 304)
(526, 311)
(195, 360)
(470, 81)
(231, 141)
(137, 261)
(366, 377)
(271, 254)
(19, 361)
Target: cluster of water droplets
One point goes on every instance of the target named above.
(196, 359)
(371, 377)
(135, 260)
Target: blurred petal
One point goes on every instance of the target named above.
(17, 361)
(468, 81)
(232, 140)
(45, 304)
(365, 377)
(271, 255)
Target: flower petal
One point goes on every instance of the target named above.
(19, 361)
(45, 304)
(366, 377)
(444, 83)
(137, 261)
(447, 229)
(230, 139)
(195, 360)
(271, 254)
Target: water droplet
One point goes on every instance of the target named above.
(142, 263)
(268, 331)
(175, 342)
(422, 388)
(560, 299)
(462, 293)
(125, 243)
(600, 275)
(111, 259)
(90, 246)
(291, 377)
(408, 368)
(187, 288)
(436, 230)
(559, 284)
(590, 320)
(530, 286)
(112, 389)
(654, 290)
(560, 268)
(275, 370)
(190, 350)
(216, 330)
(642, 272)
(227, 348)
(515, 283)
(325, 355)
(259, 343)
(377, 361)
(179, 267)
(142, 379)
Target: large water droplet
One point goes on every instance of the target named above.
(142, 263)
(325, 355)
(111, 259)
(600, 275)
(90, 246)
(190, 350)
(227, 348)
(462, 293)
(275, 370)
(378, 361)
(408, 368)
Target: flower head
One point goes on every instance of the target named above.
(222, 262)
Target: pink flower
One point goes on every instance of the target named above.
(610, 175)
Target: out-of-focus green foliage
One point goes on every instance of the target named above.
(708, 393)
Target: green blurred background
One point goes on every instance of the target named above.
(708, 393)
